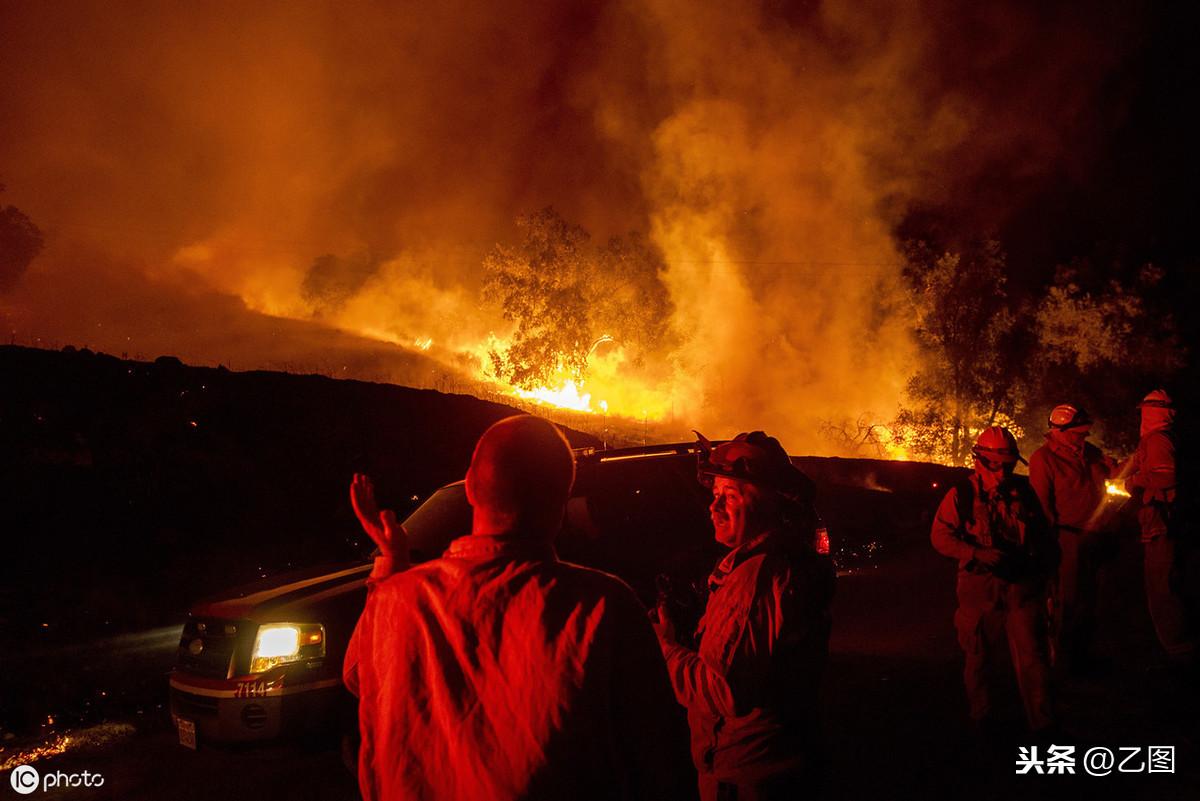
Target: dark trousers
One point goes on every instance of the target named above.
(777, 788)
(1165, 571)
(1083, 554)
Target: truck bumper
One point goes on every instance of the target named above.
(254, 709)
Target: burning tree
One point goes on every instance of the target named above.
(1089, 339)
(565, 297)
(629, 300)
(967, 333)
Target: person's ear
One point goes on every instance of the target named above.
(470, 482)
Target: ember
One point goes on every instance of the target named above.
(1116, 488)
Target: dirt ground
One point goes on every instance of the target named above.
(896, 711)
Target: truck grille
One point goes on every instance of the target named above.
(193, 706)
(254, 716)
(208, 644)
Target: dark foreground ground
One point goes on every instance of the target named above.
(895, 725)
(129, 489)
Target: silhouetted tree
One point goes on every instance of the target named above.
(1103, 343)
(564, 296)
(628, 298)
(970, 375)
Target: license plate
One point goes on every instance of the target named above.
(187, 732)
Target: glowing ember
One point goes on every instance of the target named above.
(1116, 489)
(58, 745)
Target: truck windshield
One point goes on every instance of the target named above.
(445, 516)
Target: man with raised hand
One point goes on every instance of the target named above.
(499, 672)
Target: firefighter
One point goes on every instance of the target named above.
(751, 686)
(992, 524)
(1151, 480)
(1068, 474)
(499, 672)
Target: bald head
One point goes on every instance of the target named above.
(520, 477)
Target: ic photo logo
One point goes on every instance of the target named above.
(25, 779)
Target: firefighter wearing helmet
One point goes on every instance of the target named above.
(1068, 474)
(1151, 480)
(992, 524)
(751, 686)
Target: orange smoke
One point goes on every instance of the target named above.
(316, 185)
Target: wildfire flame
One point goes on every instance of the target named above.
(567, 396)
(608, 387)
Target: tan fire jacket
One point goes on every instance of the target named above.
(1009, 519)
(1151, 478)
(751, 690)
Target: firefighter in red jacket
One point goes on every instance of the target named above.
(994, 527)
(1151, 480)
(1068, 475)
(751, 687)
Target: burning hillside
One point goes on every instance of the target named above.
(747, 176)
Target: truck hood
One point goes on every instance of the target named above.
(270, 600)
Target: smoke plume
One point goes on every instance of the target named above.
(350, 165)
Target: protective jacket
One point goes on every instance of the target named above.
(751, 688)
(499, 672)
(1009, 519)
(1167, 552)
(1069, 482)
(1013, 592)
(1152, 480)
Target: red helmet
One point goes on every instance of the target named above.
(758, 459)
(1066, 416)
(1157, 399)
(997, 444)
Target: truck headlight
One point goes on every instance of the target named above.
(281, 643)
